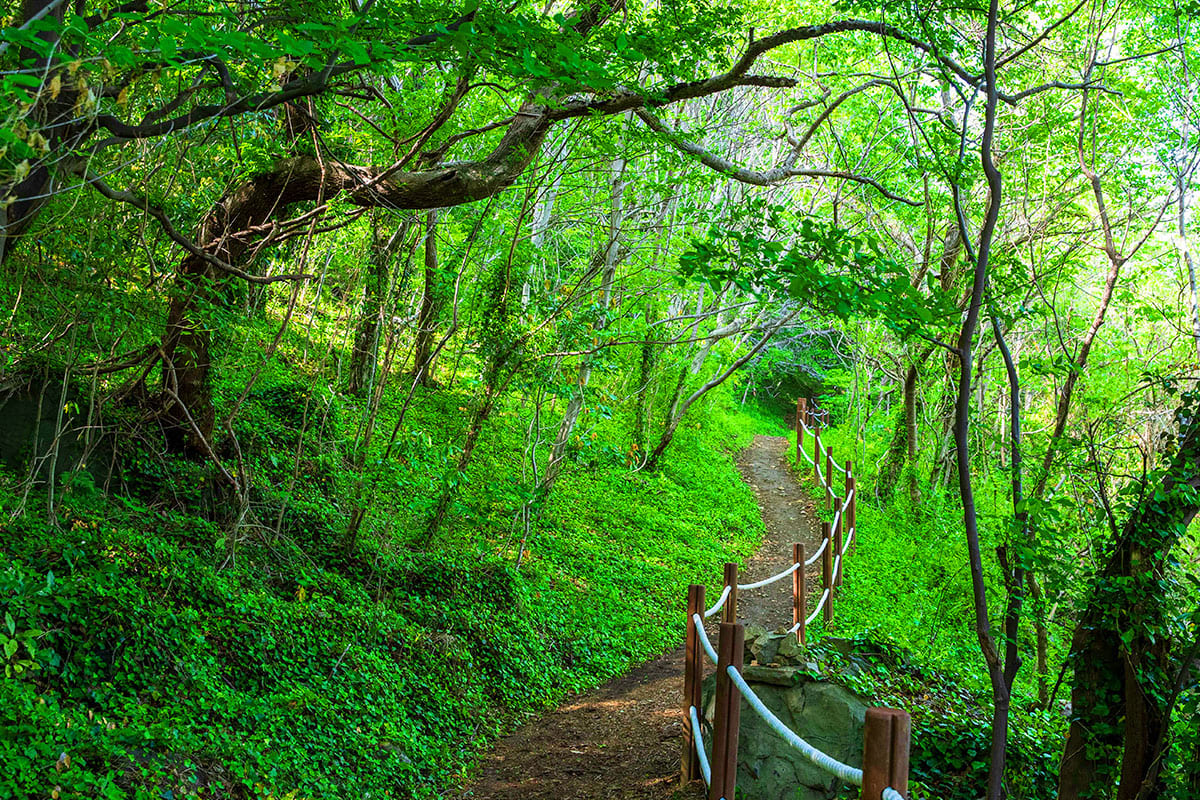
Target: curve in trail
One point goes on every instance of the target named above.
(622, 740)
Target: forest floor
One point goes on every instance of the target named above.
(622, 740)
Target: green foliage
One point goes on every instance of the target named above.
(951, 721)
(144, 660)
(840, 273)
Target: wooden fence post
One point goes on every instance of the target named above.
(799, 600)
(817, 456)
(800, 409)
(886, 737)
(837, 542)
(828, 479)
(851, 487)
(729, 612)
(727, 713)
(693, 676)
(827, 570)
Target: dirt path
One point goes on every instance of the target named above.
(621, 741)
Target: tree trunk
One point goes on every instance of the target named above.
(643, 410)
(227, 231)
(1120, 646)
(56, 119)
(903, 447)
(1185, 254)
(363, 360)
(432, 297)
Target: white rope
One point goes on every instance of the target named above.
(698, 739)
(770, 580)
(816, 555)
(804, 452)
(824, 453)
(720, 603)
(837, 566)
(836, 517)
(849, 539)
(891, 794)
(817, 610)
(831, 765)
(704, 642)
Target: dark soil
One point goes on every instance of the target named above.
(622, 741)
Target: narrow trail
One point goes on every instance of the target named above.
(622, 740)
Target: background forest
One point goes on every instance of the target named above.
(373, 372)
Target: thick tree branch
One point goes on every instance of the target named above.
(756, 178)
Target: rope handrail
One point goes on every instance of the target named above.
(804, 453)
(824, 452)
(826, 762)
(767, 581)
(888, 731)
(703, 636)
(698, 738)
(817, 610)
(719, 604)
(813, 558)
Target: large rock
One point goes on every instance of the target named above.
(826, 715)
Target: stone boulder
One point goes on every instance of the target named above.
(826, 715)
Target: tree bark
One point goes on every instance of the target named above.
(1001, 691)
(228, 230)
(432, 298)
(1120, 646)
(1185, 254)
(363, 357)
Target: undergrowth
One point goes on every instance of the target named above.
(906, 605)
(157, 656)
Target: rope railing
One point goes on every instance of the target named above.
(844, 772)
(817, 610)
(813, 558)
(768, 581)
(720, 603)
(886, 731)
(698, 738)
(702, 636)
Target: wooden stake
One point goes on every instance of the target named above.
(693, 676)
(727, 713)
(729, 612)
(801, 403)
(886, 736)
(852, 528)
(837, 543)
(828, 479)
(827, 571)
(799, 600)
(817, 456)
